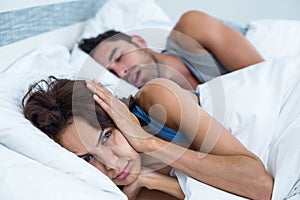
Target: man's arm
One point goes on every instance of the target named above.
(231, 48)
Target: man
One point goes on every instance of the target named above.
(199, 48)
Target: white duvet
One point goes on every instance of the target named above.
(260, 106)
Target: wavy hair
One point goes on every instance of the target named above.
(51, 105)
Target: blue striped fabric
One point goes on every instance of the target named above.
(17, 25)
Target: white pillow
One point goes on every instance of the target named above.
(20, 175)
(144, 18)
(275, 38)
(18, 134)
(126, 16)
(42, 59)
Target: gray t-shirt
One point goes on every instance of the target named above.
(204, 66)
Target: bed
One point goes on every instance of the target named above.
(37, 41)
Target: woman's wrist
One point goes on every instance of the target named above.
(149, 144)
(149, 179)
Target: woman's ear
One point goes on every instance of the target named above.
(139, 41)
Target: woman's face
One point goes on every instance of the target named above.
(107, 150)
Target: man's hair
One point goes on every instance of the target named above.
(89, 44)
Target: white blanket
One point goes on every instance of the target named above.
(260, 106)
(275, 38)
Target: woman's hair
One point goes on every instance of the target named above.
(52, 104)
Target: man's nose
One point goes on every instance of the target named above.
(123, 72)
(119, 70)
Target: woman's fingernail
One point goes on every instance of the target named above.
(96, 96)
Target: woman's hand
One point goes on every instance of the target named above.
(154, 181)
(133, 189)
(126, 122)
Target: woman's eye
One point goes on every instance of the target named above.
(87, 157)
(106, 135)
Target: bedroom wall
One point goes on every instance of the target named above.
(239, 11)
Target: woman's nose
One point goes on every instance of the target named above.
(110, 162)
(107, 167)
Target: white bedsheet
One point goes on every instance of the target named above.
(275, 38)
(260, 106)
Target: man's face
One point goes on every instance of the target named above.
(127, 60)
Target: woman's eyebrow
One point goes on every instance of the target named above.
(100, 133)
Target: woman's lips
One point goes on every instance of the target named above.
(124, 172)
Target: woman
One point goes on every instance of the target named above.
(66, 112)
(225, 164)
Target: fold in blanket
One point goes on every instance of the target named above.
(259, 105)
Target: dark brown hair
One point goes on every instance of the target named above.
(89, 44)
(51, 105)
